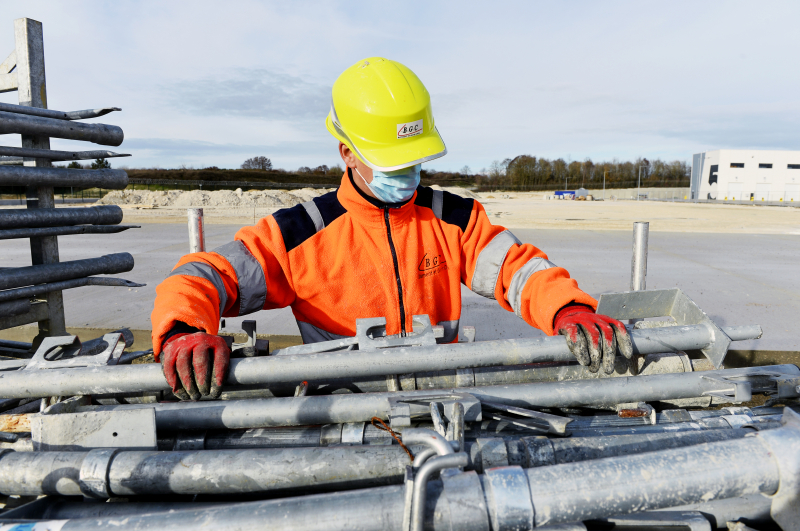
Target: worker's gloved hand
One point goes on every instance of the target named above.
(593, 338)
(187, 361)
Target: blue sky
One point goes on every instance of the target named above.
(211, 83)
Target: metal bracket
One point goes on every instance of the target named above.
(788, 386)
(666, 302)
(93, 474)
(402, 409)
(542, 422)
(371, 335)
(76, 354)
(742, 390)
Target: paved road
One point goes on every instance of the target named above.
(735, 278)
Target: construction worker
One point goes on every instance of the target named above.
(379, 246)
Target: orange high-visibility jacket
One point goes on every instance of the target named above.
(345, 256)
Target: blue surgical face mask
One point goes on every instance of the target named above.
(394, 186)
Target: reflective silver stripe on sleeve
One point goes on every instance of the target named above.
(520, 279)
(438, 201)
(490, 261)
(313, 213)
(314, 334)
(249, 275)
(450, 331)
(204, 271)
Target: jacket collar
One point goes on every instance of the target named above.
(366, 208)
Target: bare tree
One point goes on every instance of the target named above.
(257, 163)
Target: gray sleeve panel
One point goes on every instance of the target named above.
(489, 262)
(520, 279)
(450, 331)
(204, 271)
(313, 334)
(249, 274)
(438, 201)
(314, 214)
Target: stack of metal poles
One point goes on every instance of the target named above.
(33, 293)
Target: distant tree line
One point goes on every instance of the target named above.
(526, 172)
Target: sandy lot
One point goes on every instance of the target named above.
(530, 210)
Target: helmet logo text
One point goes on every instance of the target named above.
(409, 129)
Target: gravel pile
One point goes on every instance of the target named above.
(220, 198)
(228, 198)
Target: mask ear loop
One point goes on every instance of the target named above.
(362, 177)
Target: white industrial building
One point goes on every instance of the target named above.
(746, 175)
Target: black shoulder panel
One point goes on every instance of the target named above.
(295, 224)
(329, 207)
(424, 197)
(456, 210)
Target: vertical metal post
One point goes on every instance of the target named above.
(641, 231)
(197, 235)
(32, 92)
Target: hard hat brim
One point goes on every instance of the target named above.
(416, 150)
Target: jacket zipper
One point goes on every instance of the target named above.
(396, 272)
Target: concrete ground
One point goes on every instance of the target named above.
(736, 278)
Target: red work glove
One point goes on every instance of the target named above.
(592, 337)
(186, 359)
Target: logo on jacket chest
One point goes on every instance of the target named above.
(432, 264)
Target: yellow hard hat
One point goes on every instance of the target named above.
(382, 112)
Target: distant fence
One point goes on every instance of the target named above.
(593, 184)
(225, 185)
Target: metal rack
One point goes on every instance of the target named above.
(36, 294)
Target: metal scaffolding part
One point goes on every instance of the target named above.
(545, 452)
(127, 473)
(508, 497)
(110, 264)
(24, 124)
(22, 175)
(55, 155)
(40, 289)
(197, 235)
(39, 232)
(14, 218)
(272, 370)
(641, 231)
(28, 78)
(14, 307)
(306, 410)
(57, 115)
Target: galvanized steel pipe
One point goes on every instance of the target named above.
(197, 235)
(24, 124)
(309, 410)
(585, 490)
(206, 471)
(273, 370)
(14, 218)
(109, 264)
(512, 498)
(641, 231)
(30, 176)
(545, 452)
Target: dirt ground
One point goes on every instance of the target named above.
(531, 210)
